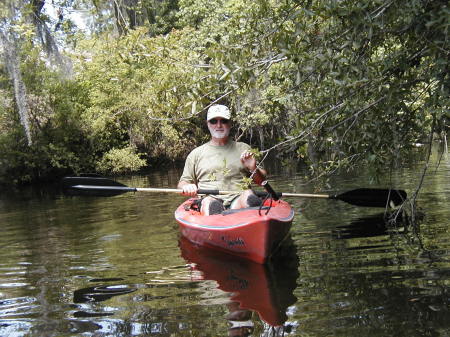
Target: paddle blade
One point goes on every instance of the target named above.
(372, 197)
(93, 186)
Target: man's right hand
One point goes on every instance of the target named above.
(189, 190)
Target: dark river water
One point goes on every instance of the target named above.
(98, 266)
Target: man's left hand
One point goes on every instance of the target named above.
(248, 160)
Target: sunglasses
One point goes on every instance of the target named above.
(215, 121)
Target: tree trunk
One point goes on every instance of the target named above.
(20, 92)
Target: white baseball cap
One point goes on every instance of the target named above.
(218, 110)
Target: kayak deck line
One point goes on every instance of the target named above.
(266, 218)
(192, 224)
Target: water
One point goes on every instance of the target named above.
(72, 266)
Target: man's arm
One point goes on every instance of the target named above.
(187, 179)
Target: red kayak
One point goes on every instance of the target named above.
(253, 233)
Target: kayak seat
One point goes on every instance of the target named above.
(233, 211)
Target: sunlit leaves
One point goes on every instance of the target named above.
(142, 85)
(121, 160)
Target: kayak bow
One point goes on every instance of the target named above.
(251, 233)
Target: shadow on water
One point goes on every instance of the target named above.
(264, 289)
(364, 227)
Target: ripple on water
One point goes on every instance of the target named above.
(19, 306)
(112, 266)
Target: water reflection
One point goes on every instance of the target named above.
(100, 293)
(62, 256)
(378, 273)
(368, 226)
(264, 289)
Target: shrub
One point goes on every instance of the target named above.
(118, 161)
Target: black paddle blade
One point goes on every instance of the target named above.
(93, 186)
(372, 197)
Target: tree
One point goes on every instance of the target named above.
(158, 15)
(20, 23)
(345, 81)
(331, 83)
(10, 41)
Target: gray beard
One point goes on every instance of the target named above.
(220, 134)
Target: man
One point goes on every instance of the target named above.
(221, 164)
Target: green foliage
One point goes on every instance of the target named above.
(330, 83)
(162, 16)
(59, 144)
(120, 161)
(143, 90)
(352, 80)
(245, 184)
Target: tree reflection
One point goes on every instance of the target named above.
(366, 281)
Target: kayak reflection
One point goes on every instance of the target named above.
(265, 289)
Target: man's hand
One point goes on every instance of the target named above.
(188, 189)
(248, 160)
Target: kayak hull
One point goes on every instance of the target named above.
(251, 233)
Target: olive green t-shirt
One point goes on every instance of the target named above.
(216, 167)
